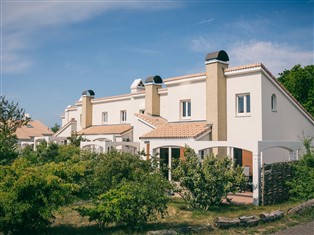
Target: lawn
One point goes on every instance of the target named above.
(68, 221)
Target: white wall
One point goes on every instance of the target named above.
(132, 104)
(288, 123)
(244, 130)
(195, 91)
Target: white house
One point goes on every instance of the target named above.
(242, 112)
(33, 133)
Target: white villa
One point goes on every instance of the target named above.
(33, 133)
(242, 112)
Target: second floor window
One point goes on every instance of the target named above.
(105, 117)
(243, 104)
(185, 108)
(273, 103)
(123, 115)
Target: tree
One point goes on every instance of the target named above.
(11, 118)
(207, 183)
(29, 194)
(75, 139)
(300, 83)
(131, 203)
(109, 170)
(55, 128)
(302, 184)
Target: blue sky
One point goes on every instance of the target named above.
(51, 51)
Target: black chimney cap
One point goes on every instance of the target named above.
(217, 55)
(88, 92)
(154, 79)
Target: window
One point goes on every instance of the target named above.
(123, 116)
(186, 109)
(243, 104)
(105, 117)
(273, 103)
(142, 111)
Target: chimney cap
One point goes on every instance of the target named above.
(154, 79)
(88, 92)
(217, 55)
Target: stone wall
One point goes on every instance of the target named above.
(273, 182)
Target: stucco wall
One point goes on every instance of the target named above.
(244, 130)
(196, 92)
(287, 123)
(113, 108)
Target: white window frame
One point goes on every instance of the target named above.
(104, 117)
(273, 103)
(185, 109)
(246, 105)
(123, 116)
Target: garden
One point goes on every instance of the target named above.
(61, 189)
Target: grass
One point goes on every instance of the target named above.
(68, 221)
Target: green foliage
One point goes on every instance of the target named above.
(300, 83)
(109, 170)
(11, 118)
(302, 185)
(55, 128)
(75, 139)
(132, 203)
(207, 183)
(30, 193)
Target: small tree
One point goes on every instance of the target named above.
(132, 203)
(108, 170)
(11, 118)
(207, 183)
(302, 185)
(29, 194)
(75, 139)
(55, 128)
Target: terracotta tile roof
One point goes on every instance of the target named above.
(34, 128)
(106, 129)
(184, 77)
(179, 130)
(152, 120)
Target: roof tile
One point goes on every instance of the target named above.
(179, 130)
(106, 129)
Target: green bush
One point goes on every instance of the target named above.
(207, 183)
(302, 185)
(29, 194)
(132, 203)
(107, 171)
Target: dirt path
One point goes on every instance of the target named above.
(302, 229)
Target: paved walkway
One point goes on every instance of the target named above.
(242, 198)
(302, 229)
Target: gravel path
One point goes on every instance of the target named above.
(302, 229)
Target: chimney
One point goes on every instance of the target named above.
(87, 108)
(137, 86)
(216, 94)
(152, 98)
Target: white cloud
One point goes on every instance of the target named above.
(275, 56)
(206, 21)
(21, 20)
(201, 44)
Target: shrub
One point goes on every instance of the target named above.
(302, 185)
(29, 194)
(132, 203)
(207, 183)
(108, 170)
